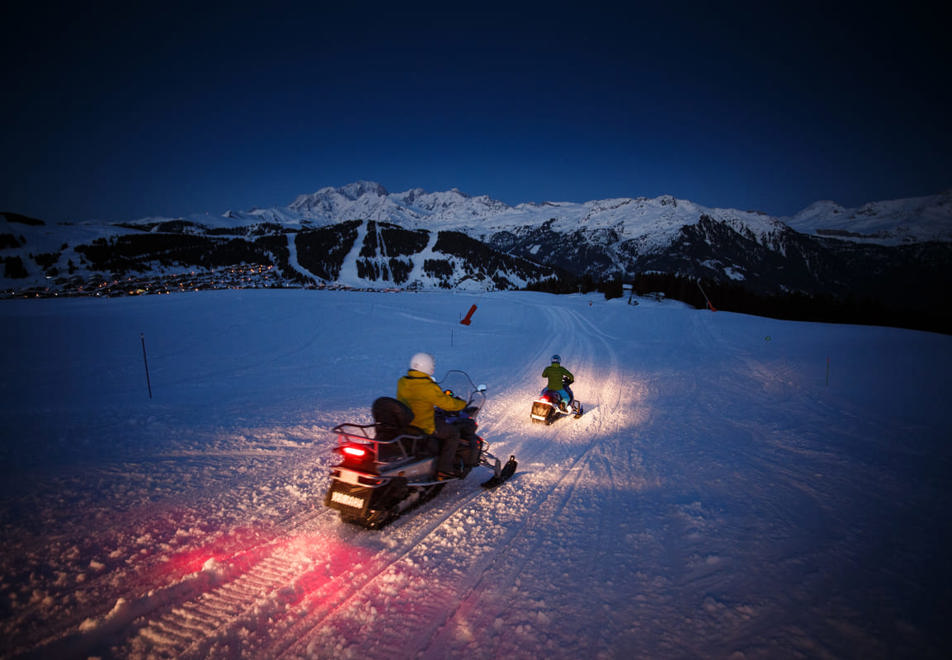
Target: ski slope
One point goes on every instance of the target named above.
(738, 487)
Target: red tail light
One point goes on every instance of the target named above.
(357, 456)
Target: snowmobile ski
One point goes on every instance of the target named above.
(507, 471)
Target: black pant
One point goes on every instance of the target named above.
(448, 436)
(468, 441)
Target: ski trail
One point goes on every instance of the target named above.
(555, 494)
(412, 584)
(338, 604)
(348, 268)
(502, 567)
(518, 514)
(293, 259)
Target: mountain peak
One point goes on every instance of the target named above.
(351, 191)
(358, 189)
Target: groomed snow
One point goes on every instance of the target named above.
(738, 487)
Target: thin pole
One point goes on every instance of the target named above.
(145, 361)
(706, 299)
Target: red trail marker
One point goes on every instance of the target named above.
(469, 316)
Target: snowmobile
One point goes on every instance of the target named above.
(390, 466)
(549, 406)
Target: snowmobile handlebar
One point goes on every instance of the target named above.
(457, 383)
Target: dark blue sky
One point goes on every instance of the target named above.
(121, 112)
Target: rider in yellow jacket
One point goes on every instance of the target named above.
(421, 393)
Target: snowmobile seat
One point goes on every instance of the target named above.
(391, 420)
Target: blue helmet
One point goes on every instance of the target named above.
(556, 358)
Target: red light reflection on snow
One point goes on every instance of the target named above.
(319, 580)
(321, 555)
(222, 547)
(355, 592)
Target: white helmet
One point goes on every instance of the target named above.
(423, 362)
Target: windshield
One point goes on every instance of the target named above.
(462, 386)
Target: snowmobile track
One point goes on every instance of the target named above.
(188, 618)
(284, 586)
(323, 608)
(192, 628)
(548, 508)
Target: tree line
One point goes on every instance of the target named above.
(735, 297)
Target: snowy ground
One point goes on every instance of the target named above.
(729, 492)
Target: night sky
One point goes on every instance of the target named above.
(115, 112)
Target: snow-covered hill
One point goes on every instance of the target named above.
(656, 220)
(891, 256)
(739, 487)
(902, 221)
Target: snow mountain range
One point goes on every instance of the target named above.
(362, 236)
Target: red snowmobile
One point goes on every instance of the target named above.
(549, 406)
(390, 466)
